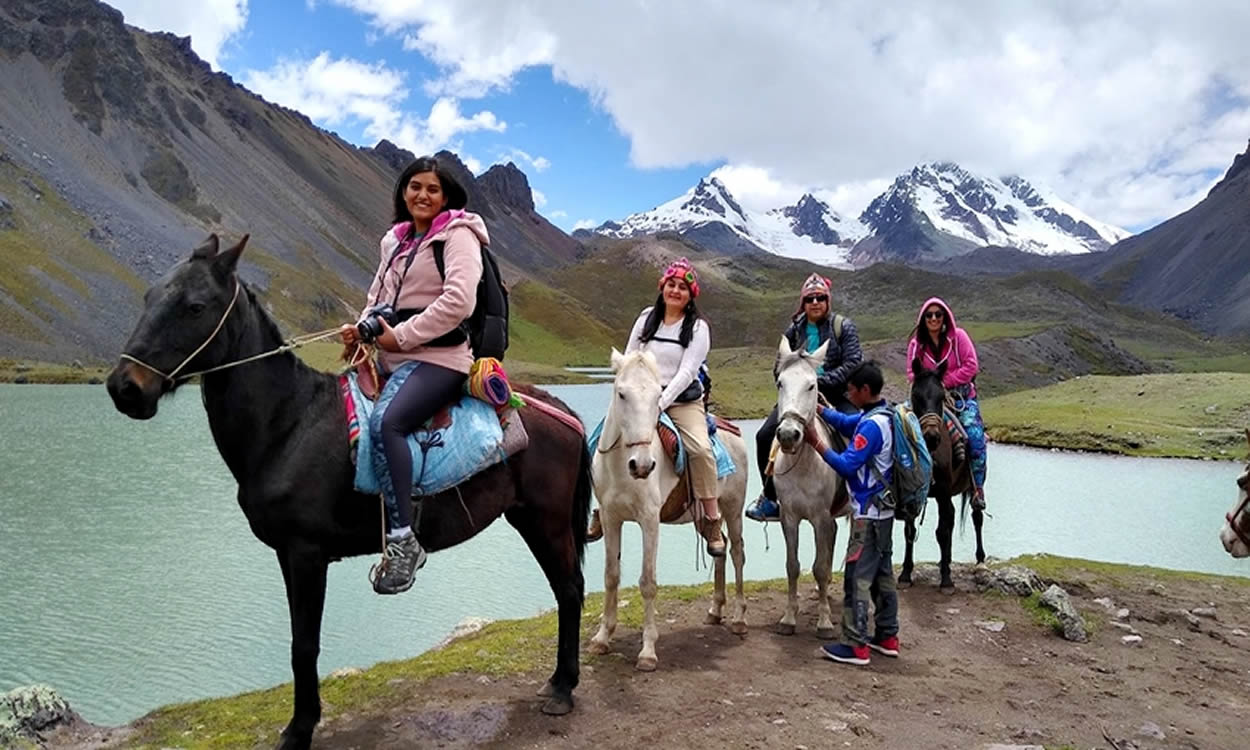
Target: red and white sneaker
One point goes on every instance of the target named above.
(887, 646)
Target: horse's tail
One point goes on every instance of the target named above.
(581, 504)
(964, 498)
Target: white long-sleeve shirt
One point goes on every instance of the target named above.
(678, 365)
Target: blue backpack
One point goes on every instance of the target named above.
(913, 466)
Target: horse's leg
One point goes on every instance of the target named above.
(647, 660)
(733, 523)
(790, 530)
(553, 547)
(909, 540)
(718, 592)
(978, 517)
(304, 573)
(946, 525)
(822, 569)
(602, 641)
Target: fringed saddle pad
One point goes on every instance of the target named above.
(457, 443)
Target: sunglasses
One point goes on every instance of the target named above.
(815, 299)
(935, 315)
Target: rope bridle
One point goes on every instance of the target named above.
(290, 344)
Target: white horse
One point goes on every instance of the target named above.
(806, 485)
(632, 478)
(1235, 535)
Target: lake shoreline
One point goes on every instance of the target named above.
(495, 671)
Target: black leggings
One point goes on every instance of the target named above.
(764, 442)
(427, 390)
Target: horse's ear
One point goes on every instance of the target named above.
(617, 359)
(783, 349)
(226, 262)
(818, 356)
(941, 369)
(206, 250)
(917, 366)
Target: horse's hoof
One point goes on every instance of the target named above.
(784, 628)
(597, 648)
(712, 619)
(646, 664)
(825, 634)
(948, 589)
(558, 705)
(738, 628)
(903, 583)
(294, 742)
(546, 691)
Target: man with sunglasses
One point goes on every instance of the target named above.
(812, 325)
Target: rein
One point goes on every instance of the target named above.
(290, 344)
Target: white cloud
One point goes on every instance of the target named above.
(540, 200)
(538, 163)
(210, 23)
(1122, 107)
(336, 91)
(558, 215)
(586, 224)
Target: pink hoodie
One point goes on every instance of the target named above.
(960, 355)
(446, 303)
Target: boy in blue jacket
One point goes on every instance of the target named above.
(866, 465)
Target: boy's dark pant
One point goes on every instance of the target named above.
(869, 576)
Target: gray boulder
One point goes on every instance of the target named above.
(1010, 579)
(1056, 599)
(27, 711)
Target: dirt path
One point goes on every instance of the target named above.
(957, 684)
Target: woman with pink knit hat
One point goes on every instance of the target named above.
(812, 324)
(677, 336)
(937, 339)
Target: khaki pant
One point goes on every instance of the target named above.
(691, 422)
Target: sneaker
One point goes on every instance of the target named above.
(399, 566)
(764, 509)
(709, 528)
(595, 532)
(846, 654)
(887, 646)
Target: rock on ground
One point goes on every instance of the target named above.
(1057, 599)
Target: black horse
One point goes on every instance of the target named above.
(950, 476)
(281, 428)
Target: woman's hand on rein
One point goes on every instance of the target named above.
(386, 341)
(349, 334)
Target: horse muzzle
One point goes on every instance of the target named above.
(789, 437)
(135, 390)
(640, 467)
(1232, 544)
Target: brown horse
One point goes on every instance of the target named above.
(1235, 536)
(950, 477)
(281, 428)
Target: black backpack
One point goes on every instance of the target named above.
(487, 328)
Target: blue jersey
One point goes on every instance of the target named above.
(871, 441)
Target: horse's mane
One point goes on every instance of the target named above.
(639, 357)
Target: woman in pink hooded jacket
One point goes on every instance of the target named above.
(427, 307)
(937, 339)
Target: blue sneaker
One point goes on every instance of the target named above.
(764, 509)
(842, 653)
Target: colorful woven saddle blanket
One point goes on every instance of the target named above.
(461, 440)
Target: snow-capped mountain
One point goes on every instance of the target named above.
(935, 211)
(709, 215)
(940, 210)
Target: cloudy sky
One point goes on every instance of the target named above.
(1129, 110)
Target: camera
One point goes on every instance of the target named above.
(370, 325)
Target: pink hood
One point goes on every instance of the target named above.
(950, 316)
